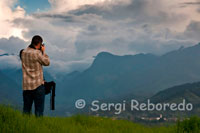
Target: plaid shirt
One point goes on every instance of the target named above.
(32, 62)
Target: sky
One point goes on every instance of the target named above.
(75, 31)
(32, 6)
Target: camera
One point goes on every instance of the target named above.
(42, 45)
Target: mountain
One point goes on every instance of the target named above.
(142, 75)
(189, 91)
(10, 92)
(108, 76)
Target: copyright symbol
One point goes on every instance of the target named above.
(80, 104)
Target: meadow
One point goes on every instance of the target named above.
(12, 120)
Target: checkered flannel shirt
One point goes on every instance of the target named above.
(32, 62)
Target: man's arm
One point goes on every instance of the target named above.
(43, 59)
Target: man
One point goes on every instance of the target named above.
(33, 58)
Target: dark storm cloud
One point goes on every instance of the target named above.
(141, 11)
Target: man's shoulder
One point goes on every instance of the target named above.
(31, 50)
(30, 53)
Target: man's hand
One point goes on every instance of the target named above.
(43, 48)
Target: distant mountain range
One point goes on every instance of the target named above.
(142, 75)
(121, 77)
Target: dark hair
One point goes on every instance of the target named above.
(36, 39)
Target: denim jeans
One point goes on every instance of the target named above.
(38, 97)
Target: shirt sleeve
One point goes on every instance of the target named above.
(43, 59)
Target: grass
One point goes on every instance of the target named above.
(191, 125)
(14, 121)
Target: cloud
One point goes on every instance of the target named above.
(9, 51)
(9, 61)
(67, 5)
(79, 30)
(7, 14)
(193, 30)
(191, 8)
(12, 45)
(58, 66)
(191, 3)
(140, 11)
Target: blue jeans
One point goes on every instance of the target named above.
(37, 96)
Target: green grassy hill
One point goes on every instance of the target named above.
(14, 121)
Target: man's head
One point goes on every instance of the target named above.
(37, 41)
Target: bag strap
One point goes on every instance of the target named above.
(20, 54)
